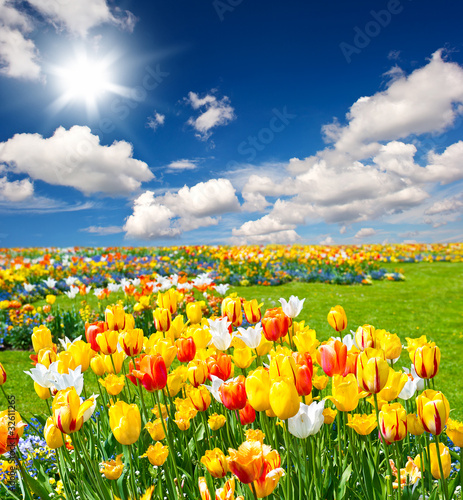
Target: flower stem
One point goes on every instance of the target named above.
(288, 460)
(441, 470)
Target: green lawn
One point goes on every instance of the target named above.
(429, 302)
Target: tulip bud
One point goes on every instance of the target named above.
(125, 422)
(97, 365)
(186, 349)
(275, 324)
(52, 434)
(197, 372)
(433, 410)
(233, 393)
(426, 361)
(231, 307)
(393, 422)
(337, 318)
(284, 399)
(194, 312)
(252, 311)
(162, 319)
(258, 389)
(372, 370)
(365, 337)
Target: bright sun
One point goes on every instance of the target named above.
(85, 79)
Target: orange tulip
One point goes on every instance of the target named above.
(186, 349)
(91, 332)
(152, 373)
(247, 462)
(233, 393)
(333, 358)
(275, 324)
(219, 365)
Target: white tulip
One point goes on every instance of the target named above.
(221, 337)
(293, 307)
(251, 336)
(308, 420)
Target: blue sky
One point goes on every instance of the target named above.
(166, 123)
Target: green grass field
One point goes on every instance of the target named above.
(429, 302)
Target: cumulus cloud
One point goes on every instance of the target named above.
(327, 241)
(369, 169)
(76, 158)
(267, 229)
(365, 232)
(213, 113)
(80, 17)
(19, 57)
(187, 209)
(156, 120)
(15, 191)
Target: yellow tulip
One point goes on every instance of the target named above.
(52, 434)
(283, 366)
(176, 380)
(243, 358)
(115, 360)
(372, 370)
(362, 424)
(345, 392)
(177, 326)
(200, 397)
(81, 353)
(112, 469)
(284, 399)
(394, 385)
(390, 343)
(97, 365)
(108, 341)
(194, 312)
(264, 347)
(337, 318)
(414, 425)
(156, 430)
(50, 299)
(115, 317)
(255, 435)
(157, 454)
(231, 307)
(197, 372)
(113, 384)
(365, 337)
(433, 410)
(169, 300)
(41, 338)
(125, 422)
(306, 340)
(320, 382)
(445, 459)
(167, 349)
(455, 432)
(47, 356)
(131, 341)
(258, 389)
(393, 422)
(42, 392)
(69, 414)
(216, 422)
(162, 319)
(215, 462)
(426, 360)
(330, 415)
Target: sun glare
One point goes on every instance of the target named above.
(85, 79)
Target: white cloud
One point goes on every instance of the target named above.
(215, 113)
(449, 205)
(327, 241)
(266, 230)
(184, 164)
(365, 232)
(78, 17)
(185, 210)
(103, 230)
(76, 158)
(15, 191)
(367, 172)
(156, 120)
(405, 108)
(19, 57)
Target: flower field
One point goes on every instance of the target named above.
(158, 374)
